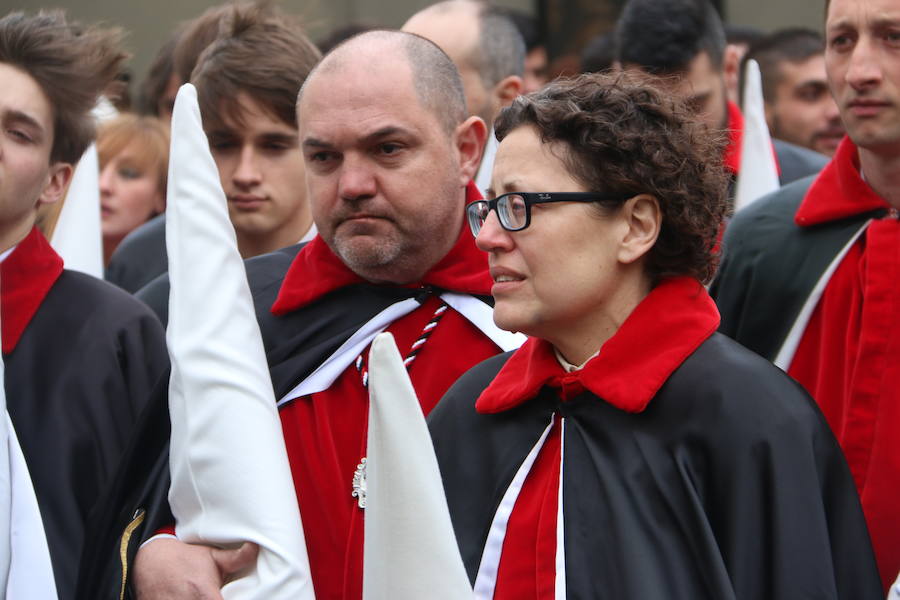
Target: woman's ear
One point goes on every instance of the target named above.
(643, 218)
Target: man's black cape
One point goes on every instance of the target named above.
(728, 486)
(76, 383)
(295, 344)
(771, 266)
(141, 257)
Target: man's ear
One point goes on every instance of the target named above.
(58, 179)
(507, 89)
(470, 137)
(643, 218)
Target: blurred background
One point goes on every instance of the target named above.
(567, 24)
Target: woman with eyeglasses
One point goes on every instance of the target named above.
(627, 450)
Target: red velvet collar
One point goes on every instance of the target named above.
(839, 191)
(732, 157)
(678, 315)
(26, 277)
(316, 270)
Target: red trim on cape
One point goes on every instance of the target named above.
(317, 271)
(26, 277)
(678, 315)
(735, 131)
(839, 191)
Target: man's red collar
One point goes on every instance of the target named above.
(735, 131)
(316, 270)
(839, 191)
(678, 315)
(26, 277)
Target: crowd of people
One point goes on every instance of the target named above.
(632, 389)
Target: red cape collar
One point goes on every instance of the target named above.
(317, 271)
(839, 191)
(26, 277)
(678, 315)
(735, 131)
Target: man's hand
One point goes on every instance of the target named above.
(167, 569)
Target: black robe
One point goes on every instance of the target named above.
(727, 485)
(76, 382)
(141, 257)
(770, 266)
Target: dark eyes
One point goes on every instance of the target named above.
(389, 148)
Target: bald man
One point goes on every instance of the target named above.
(389, 153)
(489, 52)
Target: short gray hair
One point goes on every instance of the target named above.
(501, 47)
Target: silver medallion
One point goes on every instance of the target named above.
(359, 483)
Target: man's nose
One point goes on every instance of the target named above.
(247, 172)
(357, 180)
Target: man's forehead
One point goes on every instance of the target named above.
(379, 93)
(22, 99)
(813, 68)
(850, 13)
(245, 115)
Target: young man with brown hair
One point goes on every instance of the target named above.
(799, 106)
(80, 355)
(247, 80)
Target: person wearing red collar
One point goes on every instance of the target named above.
(80, 355)
(683, 42)
(389, 154)
(627, 449)
(810, 276)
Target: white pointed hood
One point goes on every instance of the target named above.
(758, 174)
(410, 549)
(231, 481)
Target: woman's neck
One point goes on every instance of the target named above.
(580, 340)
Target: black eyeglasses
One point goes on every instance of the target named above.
(514, 210)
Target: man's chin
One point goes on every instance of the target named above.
(364, 252)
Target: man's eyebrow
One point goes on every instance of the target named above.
(277, 136)
(311, 142)
(384, 132)
(387, 131)
(886, 21)
(22, 118)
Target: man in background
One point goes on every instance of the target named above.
(799, 107)
(247, 62)
(489, 53)
(683, 43)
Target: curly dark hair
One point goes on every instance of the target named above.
(621, 136)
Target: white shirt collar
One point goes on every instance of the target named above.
(569, 367)
(309, 235)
